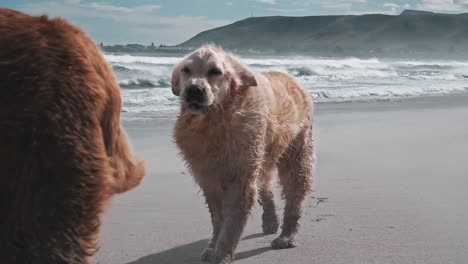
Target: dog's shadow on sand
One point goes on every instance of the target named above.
(190, 253)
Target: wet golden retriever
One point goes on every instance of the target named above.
(63, 152)
(237, 128)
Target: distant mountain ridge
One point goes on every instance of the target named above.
(411, 32)
(411, 12)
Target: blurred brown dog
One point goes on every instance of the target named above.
(63, 152)
(235, 129)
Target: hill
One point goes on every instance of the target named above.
(412, 32)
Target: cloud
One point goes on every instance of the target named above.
(73, 1)
(394, 8)
(111, 8)
(451, 6)
(228, 3)
(270, 2)
(391, 5)
(372, 12)
(121, 24)
(341, 4)
(286, 10)
(388, 9)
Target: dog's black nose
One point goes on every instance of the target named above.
(194, 93)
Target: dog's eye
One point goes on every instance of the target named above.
(215, 72)
(186, 70)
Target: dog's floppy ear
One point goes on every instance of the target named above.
(244, 77)
(247, 79)
(175, 80)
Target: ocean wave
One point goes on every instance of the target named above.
(120, 68)
(431, 75)
(160, 100)
(427, 67)
(327, 79)
(379, 93)
(149, 100)
(335, 63)
(128, 59)
(143, 83)
(435, 63)
(301, 71)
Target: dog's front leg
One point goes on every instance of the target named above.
(215, 206)
(238, 200)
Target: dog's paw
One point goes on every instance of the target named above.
(283, 242)
(224, 260)
(207, 254)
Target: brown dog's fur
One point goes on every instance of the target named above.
(260, 124)
(63, 152)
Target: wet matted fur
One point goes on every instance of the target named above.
(237, 128)
(63, 152)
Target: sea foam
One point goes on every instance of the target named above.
(145, 80)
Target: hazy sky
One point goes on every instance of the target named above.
(174, 21)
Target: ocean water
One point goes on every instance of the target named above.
(145, 80)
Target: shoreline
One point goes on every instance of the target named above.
(450, 100)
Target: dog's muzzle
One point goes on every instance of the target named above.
(195, 97)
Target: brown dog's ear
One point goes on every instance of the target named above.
(175, 80)
(244, 77)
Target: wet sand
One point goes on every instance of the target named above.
(390, 187)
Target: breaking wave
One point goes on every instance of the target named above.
(328, 80)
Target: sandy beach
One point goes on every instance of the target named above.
(390, 187)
